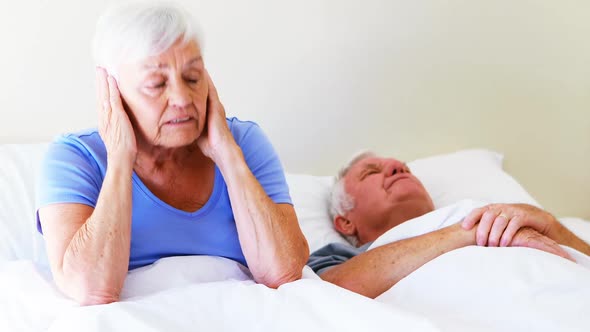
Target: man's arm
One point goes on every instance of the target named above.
(375, 271)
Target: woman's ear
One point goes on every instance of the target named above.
(344, 226)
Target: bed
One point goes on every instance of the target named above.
(470, 289)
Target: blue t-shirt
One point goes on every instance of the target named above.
(74, 169)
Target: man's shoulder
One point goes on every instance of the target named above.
(341, 248)
(333, 254)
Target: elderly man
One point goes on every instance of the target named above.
(373, 195)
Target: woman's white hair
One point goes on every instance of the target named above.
(136, 30)
(340, 200)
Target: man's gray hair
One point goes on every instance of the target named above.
(340, 200)
(137, 30)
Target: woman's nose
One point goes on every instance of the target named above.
(179, 95)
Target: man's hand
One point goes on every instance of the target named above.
(498, 224)
(528, 237)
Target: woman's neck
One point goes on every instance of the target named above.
(158, 159)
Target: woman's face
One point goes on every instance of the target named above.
(166, 96)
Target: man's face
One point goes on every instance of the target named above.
(385, 194)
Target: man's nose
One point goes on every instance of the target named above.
(399, 168)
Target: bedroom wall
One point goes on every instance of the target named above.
(326, 78)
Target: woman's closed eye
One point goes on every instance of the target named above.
(156, 85)
(192, 80)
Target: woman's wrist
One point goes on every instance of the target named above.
(230, 156)
(120, 165)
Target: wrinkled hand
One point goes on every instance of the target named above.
(114, 126)
(528, 237)
(216, 136)
(497, 224)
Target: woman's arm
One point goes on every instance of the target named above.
(269, 233)
(273, 244)
(88, 248)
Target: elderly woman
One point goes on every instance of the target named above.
(166, 173)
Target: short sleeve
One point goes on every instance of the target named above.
(262, 160)
(331, 255)
(69, 174)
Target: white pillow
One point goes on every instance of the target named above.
(19, 238)
(310, 196)
(475, 174)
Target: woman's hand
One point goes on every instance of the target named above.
(216, 138)
(113, 123)
(497, 224)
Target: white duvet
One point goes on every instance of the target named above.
(195, 293)
(471, 289)
(492, 289)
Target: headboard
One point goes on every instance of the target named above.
(325, 78)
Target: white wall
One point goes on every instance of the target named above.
(326, 78)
